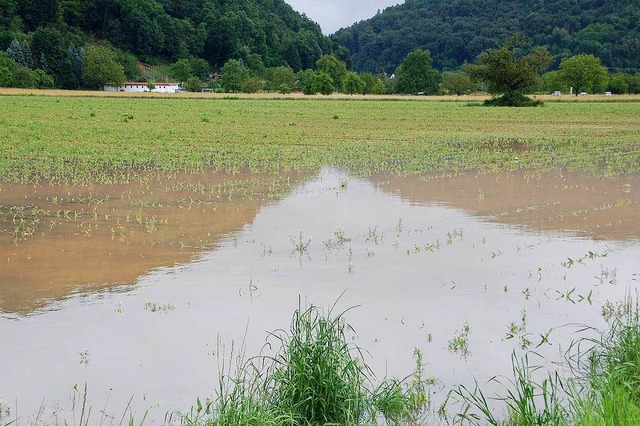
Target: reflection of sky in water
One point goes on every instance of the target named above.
(417, 281)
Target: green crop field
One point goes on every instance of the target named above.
(99, 139)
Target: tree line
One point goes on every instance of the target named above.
(457, 31)
(516, 68)
(158, 32)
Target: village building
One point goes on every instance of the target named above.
(144, 87)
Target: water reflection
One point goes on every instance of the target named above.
(598, 208)
(57, 240)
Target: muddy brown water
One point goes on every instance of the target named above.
(601, 209)
(57, 240)
(134, 293)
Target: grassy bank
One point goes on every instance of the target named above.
(104, 139)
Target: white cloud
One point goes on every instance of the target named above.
(335, 14)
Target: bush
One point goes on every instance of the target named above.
(513, 99)
(193, 84)
(251, 85)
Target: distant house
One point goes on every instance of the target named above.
(144, 87)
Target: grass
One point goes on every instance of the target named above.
(316, 377)
(106, 139)
(603, 390)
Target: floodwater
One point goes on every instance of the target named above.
(137, 290)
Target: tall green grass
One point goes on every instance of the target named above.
(317, 376)
(603, 390)
(609, 390)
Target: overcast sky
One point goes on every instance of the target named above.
(335, 14)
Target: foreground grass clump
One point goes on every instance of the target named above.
(610, 391)
(315, 378)
(604, 390)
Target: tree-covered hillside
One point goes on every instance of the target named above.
(166, 30)
(455, 31)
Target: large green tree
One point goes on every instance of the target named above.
(334, 68)
(182, 70)
(101, 68)
(458, 83)
(306, 82)
(584, 73)
(233, 76)
(511, 71)
(417, 75)
(7, 69)
(323, 83)
(279, 78)
(353, 84)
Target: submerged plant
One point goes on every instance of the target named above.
(459, 344)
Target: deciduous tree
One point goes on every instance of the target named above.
(101, 68)
(306, 82)
(584, 73)
(181, 70)
(323, 83)
(458, 83)
(353, 83)
(417, 75)
(279, 78)
(233, 76)
(334, 68)
(511, 72)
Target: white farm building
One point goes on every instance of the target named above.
(144, 87)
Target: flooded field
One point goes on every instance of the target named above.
(139, 290)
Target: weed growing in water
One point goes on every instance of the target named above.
(520, 331)
(459, 344)
(301, 245)
(338, 242)
(527, 402)
(5, 413)
(158, 307)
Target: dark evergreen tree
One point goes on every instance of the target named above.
(49, 44)
(21, 53)
(77, 56)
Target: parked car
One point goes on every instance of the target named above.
(608, 94)
(556, 93)
(583, 93)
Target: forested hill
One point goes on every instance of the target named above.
(456, 31)
(215, 30)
